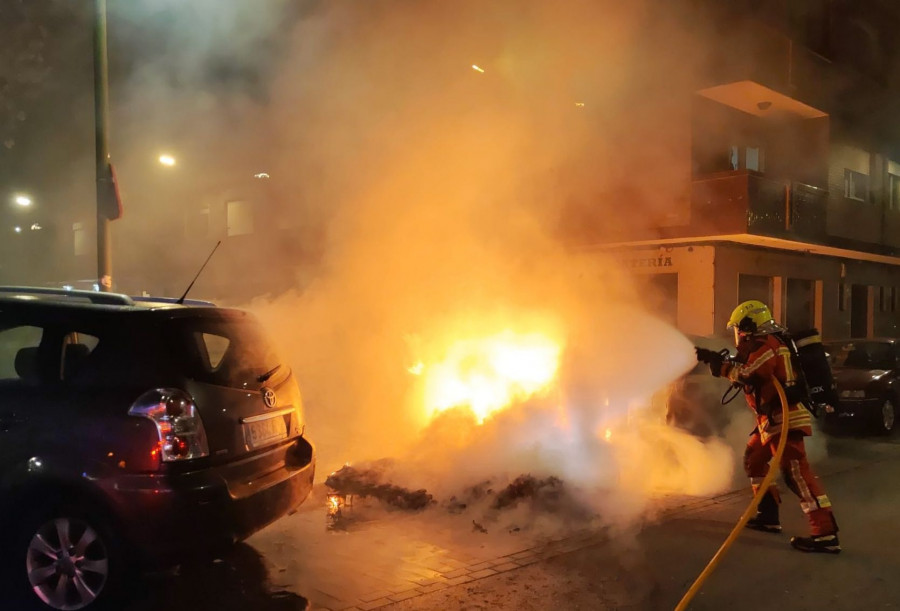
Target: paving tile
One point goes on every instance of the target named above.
(433, 587)
(459, 580)
(324, 600)
(381, 602)
(402, 586)
(366, 598)
(427, 581)
(483, 565)
(483, 573)
(404, 595)
(454, 564)
(524, 554)
(456, 573)
(506, 566)
(527, 561)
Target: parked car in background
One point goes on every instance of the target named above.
(693, 402)
(866, 373)
(135, 432)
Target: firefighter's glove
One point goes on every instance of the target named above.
(711, 358)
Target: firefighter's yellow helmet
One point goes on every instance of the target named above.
(750, 316)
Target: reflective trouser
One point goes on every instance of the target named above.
(798, 476)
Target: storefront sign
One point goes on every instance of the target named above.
(659, 261)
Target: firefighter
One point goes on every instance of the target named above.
(763, 355)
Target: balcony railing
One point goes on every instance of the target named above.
(747, 202)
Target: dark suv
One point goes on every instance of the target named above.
(135, 433)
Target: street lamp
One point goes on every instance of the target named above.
(167, 160)
(22, 200)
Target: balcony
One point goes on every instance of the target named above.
(746, 202)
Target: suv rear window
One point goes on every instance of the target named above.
(232, 353)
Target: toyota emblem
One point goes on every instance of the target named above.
(268, 396)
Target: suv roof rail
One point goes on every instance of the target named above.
(92, 296)
(174, 300)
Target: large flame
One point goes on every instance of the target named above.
(491, 373)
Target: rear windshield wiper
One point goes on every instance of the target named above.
(268, 374)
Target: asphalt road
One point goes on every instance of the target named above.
(655, 569)
(295, 562)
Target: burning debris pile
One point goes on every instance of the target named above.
(367, 482)
(536, 495)
(543, 493)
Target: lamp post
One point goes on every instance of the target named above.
(101, 145)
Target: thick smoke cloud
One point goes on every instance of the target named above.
(449, 198)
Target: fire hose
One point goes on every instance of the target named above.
(749, 512)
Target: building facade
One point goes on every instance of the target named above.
(794, 180)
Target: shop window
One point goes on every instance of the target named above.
(755, 287)
(800, 306)
(856, 185)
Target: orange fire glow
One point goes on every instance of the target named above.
(489, 374)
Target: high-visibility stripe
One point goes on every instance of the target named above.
(784, 353)
(806, 341)
(807, 500)
(756, 364)
(799, 417)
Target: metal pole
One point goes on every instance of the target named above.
(101, 123)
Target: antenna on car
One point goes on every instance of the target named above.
(181, 299)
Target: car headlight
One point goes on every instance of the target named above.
(853, 394)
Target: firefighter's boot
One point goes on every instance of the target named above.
(823, 544)
(766, 519)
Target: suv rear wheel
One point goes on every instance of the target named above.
(65, 560)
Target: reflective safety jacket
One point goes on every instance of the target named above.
(760, 359)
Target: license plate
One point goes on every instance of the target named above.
(264, 432)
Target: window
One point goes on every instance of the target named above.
(239, 218)
(215, 346)
(76, 348)
(842, 297)
(754, 159)
(894, 201)
(18, 353)
(856, 185)
(225, 352)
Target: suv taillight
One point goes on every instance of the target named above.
(181, 433)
